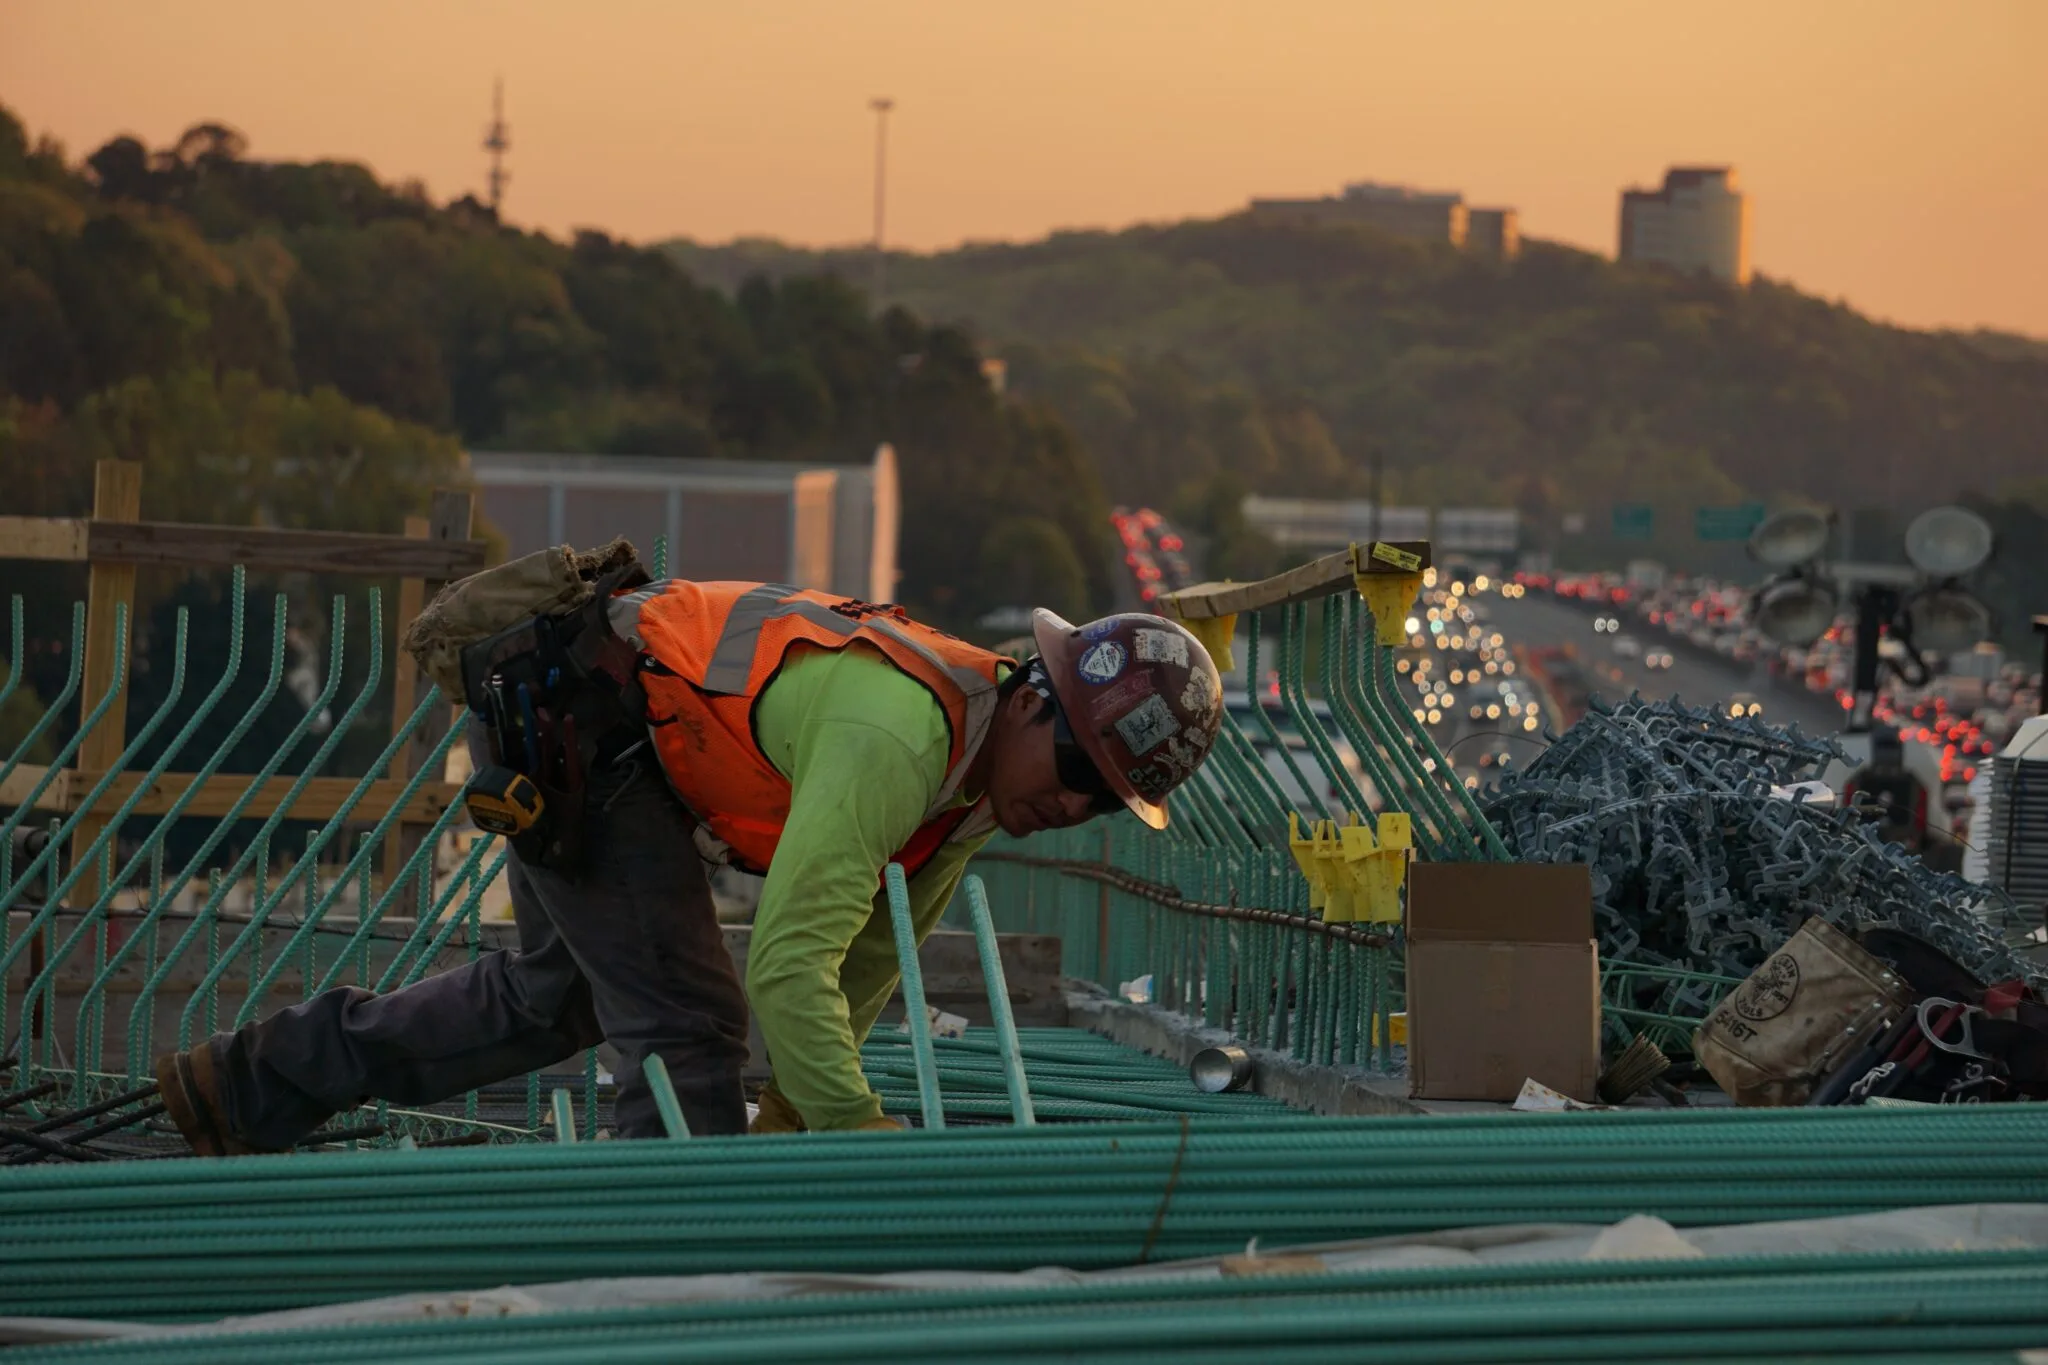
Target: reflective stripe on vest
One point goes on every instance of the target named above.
(702, 687)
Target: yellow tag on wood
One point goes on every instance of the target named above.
(1400, 559)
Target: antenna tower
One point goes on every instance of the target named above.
(498, 141)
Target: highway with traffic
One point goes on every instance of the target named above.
(1615, 662)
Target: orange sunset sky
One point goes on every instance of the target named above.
(1896, 150)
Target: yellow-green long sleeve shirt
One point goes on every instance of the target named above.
(864, 747)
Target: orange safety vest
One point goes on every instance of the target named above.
(710, 649)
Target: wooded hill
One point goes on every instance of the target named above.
(1286, 357)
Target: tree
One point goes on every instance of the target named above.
(121, 169)
(1029, 561)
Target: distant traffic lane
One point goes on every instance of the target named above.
(1540, 619)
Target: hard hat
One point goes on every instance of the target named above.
(1142, 696)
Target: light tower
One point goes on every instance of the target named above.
(498, 141)
(881, 106)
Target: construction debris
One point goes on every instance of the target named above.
(1703, 864)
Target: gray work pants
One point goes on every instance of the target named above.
(631, 954)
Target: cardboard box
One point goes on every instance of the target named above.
(1503, 980)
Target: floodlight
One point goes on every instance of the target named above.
(1947, 541)
(1796, 611)
(1947, 620)
(1788, 538)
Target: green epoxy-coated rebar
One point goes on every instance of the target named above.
(159, 902)
(916, 1019)
(1724, 1307)
(151, 849)
(1005, 1026)
(1258, 709)
(260, 913)
(1377, 751)
(1271, 984)
(664, 1091)
(89, 861)
(565, 1116)
(140, 1015)
(470, 914)
(194, 1239)
(45, 723)
(1356, 655)
(1489, 838)
(1294, 696)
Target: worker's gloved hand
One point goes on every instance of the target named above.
(777, 1115)
(885, 1124)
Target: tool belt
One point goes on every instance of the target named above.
(558, 695)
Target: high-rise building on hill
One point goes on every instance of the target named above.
(1699, 222)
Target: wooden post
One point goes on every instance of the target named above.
(412, 596)
(116, 496)
(448, 518)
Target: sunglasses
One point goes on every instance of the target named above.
(1077, 772)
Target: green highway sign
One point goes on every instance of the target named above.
(1633, 520)
(1727, 523)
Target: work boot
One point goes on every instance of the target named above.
(189, 1084)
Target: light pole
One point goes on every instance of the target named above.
(881, 106)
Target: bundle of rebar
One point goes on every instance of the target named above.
(1073, 1075)
(196, 1240)
(1923, 1305)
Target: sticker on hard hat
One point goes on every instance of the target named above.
(1114, 701)
(1180, 758)
(1150, 782)
(1096, 630)
(1162, 647)
(1147, 725)
(1100, 663)
(1199, 696)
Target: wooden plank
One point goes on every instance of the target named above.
(61, 538)
(1317, 578)
(14, 791)
(412, 596)
(319, 801)
(129, 541)
(110, 591)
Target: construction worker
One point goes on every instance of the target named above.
(810, 737)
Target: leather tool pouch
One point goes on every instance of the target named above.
(1813, 1004)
